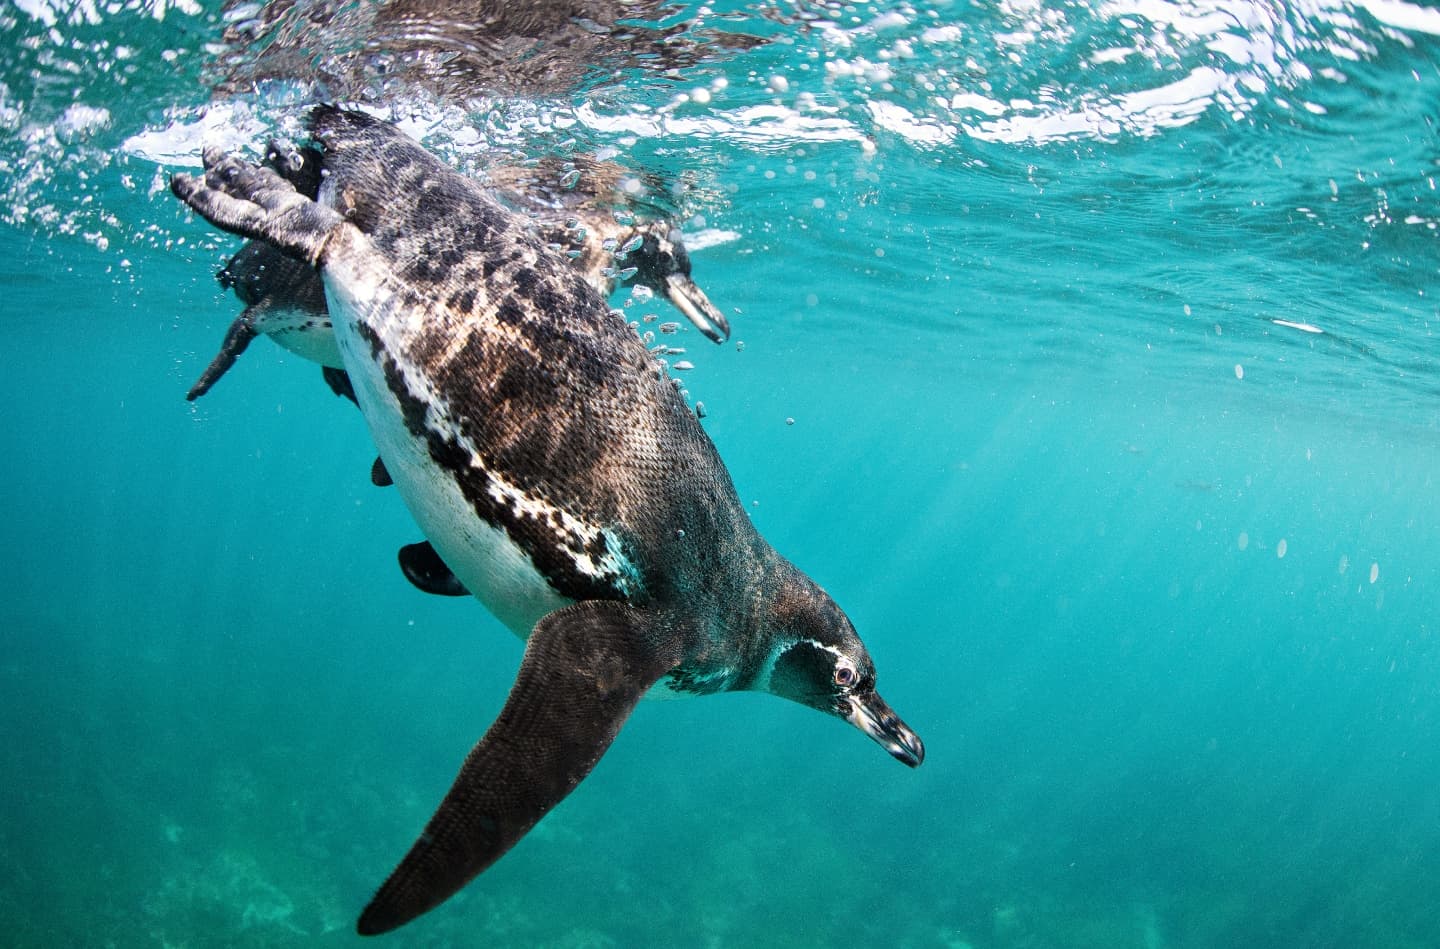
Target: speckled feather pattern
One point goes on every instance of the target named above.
(285, 297)
(528, 369)
(554, 467)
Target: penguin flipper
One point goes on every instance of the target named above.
(380, 475)
(339, 382)
(585, 668)
(237, 338)
(256, 202)
(425, 570)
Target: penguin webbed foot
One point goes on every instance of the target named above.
(585, 668)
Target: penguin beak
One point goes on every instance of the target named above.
(692, 301)
(871, 715)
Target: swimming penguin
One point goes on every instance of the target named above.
(556, 470)
(581, 204)
(285, 299)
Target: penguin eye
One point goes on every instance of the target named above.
(844, 676)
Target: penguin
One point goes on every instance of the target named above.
(574, 203)
(285, 299)
(581, 205)
(557, 471)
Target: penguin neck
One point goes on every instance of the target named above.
(777, 592)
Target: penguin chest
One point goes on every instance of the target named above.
(472, 515)
(306, 333)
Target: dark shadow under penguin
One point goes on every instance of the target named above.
(557, 472)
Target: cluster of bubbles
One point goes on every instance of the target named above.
(84, 118)
(1016, 71)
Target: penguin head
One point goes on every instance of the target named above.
(661, 253)
(817, 659)
(662, 263)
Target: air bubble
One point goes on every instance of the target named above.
(684, 365)
(570, 179)
(669, 328)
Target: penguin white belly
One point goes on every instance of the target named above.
(303, 333)
(483, 557)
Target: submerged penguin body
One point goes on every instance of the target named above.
(285, 300)
(557, 472)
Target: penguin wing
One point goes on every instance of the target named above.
(425, 570)
(585, 668)
(255, 202)
(237, 338)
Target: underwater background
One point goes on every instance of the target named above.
(1084, 353)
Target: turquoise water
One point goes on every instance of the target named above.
(1105, 332)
